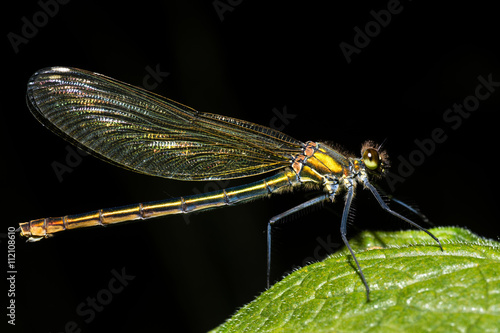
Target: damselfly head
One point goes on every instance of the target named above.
(375, 160)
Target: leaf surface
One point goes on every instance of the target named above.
(414, 286)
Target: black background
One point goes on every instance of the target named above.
(191, 274)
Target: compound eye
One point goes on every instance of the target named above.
(371, 159)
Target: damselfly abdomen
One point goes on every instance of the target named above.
(141, 131)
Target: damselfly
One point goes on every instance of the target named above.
(141, 131)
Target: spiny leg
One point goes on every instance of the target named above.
(387, 209)
(343, 231)
(276, 218)
(411, 209)
(405, 205)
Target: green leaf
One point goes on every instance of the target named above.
(415, 287)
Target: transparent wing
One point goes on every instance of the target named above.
(138, 130)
